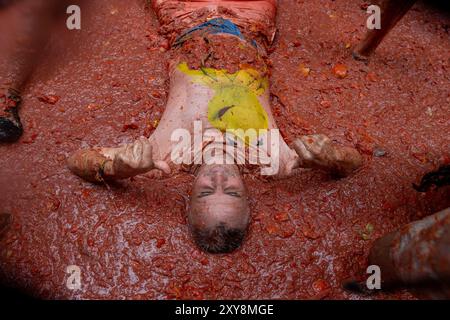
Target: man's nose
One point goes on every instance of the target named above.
(219, 179)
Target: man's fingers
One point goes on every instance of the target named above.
(163, 166)
(146, 156)
(318, 151)
(301, 149)
(315, 142)
(146, 149)
(137, 149)
(137, 158)
(120, 160)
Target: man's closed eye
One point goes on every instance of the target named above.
(205, 193)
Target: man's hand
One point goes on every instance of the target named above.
(136, 158)
(99, 164)
(318, 151)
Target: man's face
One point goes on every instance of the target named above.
(219, 196)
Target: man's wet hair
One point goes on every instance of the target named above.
(219, 239)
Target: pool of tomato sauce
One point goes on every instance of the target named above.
(309, 232)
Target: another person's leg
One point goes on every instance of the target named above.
(25, 32)
(436, 178)
(391, 13)
(417, 257)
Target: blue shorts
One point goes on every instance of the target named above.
(213, 26)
